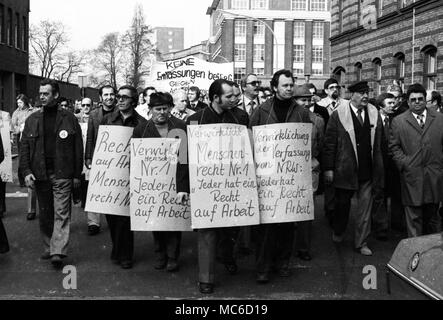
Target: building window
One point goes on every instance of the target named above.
(299, 30)
(259, 52)
(259, 29)
(25, 34)
(240, 52)
(376, 63)
(401, 66)
(339, 74)
(239, 73)
(17, 37)
(317, 54)
(259, 71)
(9, 28)
(318, 30)
(430, 67)
(318, 5)
(298, 4)
(259, 4)
(240, 28)
(358, 71)
(240, 4)
(299, 53)
(317, 71)
(299, 71)
(2, 21)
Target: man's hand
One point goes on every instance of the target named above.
(29, 181)
(329, 176)
(77, 183)
(88, 163)
(182, 197)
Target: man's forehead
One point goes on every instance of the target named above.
(227, 89)
(285, 80)
(125, 92)
(416, 95)
(86, 100)
(108, 90)
(46, 88)
(251, 78)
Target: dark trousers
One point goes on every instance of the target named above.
(122, 237)
(274, 245)
(212, 243)
(167, 244)
(422, 220)
(380, 214)
(303, 236)
(2, 196)
(329, 200)
(4, 245)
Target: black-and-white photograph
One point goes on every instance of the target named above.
(245, 151)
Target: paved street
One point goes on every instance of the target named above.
(334, 273)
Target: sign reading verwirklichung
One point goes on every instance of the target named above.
(283, 166)
(222, 176)
(154, 204)
(189, 71)
(108, 190)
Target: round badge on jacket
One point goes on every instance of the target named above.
(63, 134)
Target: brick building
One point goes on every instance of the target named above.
(263, 36)
(14, 31)
(167, 39)
(374, 40)
(198, 50)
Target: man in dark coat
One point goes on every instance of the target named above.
(416, 145)
(221, 110)
(4, 245)
(195, 104)
(274, 241)
(120, 226)
(353, 163)
(163, 125)
(107, 97)
(51, 157)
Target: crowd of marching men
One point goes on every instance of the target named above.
(386, 151)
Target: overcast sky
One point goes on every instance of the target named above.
(89, 20)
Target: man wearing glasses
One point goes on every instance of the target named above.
(333, 100)
(250, 86)
(120, 226)
(353, 163)
(417, 149)
(107, 97)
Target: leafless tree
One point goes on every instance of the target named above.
(69, 66)
(139, 46)
(108, 57)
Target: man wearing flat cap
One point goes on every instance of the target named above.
(353, 163)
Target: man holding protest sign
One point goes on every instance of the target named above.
(120, 226)
(162, 125)
(221, 110)
(275, 240)
(107, 97)
(53, 164)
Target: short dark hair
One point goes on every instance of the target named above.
(216, 88)
(145, 92)
(245, 78)
(381, 99)
(100, 90)
(54, 85)
(63, 99)
(196, 90)
(415, 88)
(133, 90)
(312, 86)
(436, 96)
(329, 82)
(160, 98)
(276, 77)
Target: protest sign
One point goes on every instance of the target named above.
(222, 176)
(108, 190)
(283, 165)
(153, 187)
(189, 71)
(6, 165)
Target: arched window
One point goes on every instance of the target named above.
(399, 59)
(376, 65)
(358, 71)
(430, 67)
(339, 74)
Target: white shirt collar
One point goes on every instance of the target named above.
(425, 113)
(356, 111)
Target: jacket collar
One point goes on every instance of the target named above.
(430, 116)
(269, 105)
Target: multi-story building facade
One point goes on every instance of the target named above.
(263, 36)
(167, 39)
(386, 40)
(198, 50)
(14, 58)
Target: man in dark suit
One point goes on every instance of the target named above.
(107, 97)
(250, 86)
(314, 107)
(353, 163)
(194, 99)
(416, 145)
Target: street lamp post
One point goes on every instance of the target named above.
(259, 20)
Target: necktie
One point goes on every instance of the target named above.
(386, 126)
(252, 104)
(334, 104)
(360, 118)
(193, 105)
(420, 120)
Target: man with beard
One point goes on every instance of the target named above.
(250, 86)
(51, 157)
(162, 125)
(274, 241)
(353, 163)
(120, 226)
(107, 97)
(221, 110)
